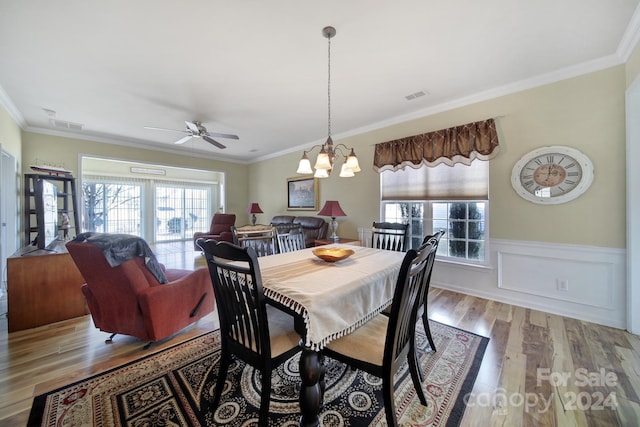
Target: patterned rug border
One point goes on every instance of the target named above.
(455, 417)
(453, 420)
(37, 408)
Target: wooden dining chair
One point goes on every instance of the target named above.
(262, 238)
(389, 235)
(290, 237)
(383, 344)
(421, 305)
(253, 331)
(434, 239)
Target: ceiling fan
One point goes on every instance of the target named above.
(196, 130)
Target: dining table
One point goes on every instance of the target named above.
(328, 300)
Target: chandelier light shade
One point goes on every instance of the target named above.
(329, 152)
(332, 208)
(253, 209)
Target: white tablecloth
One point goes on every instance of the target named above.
(333, 298)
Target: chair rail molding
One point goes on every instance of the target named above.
(583, 282)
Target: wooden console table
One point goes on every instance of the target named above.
(43, 287)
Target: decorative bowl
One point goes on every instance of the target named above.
(332, 253)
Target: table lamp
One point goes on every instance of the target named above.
(332, 208)
(253, 209)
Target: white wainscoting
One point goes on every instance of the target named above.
(530, 274)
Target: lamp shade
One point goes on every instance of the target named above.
(304, 167)
(331, 208)
(345, 172)
(352, 161)
(321, 173)
(323, 161)
(254, 208)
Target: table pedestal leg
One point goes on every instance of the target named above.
(311, 390)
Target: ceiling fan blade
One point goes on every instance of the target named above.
(222, 135)
(192, 127)
(170, 130)
(183, 140)
(213, 141)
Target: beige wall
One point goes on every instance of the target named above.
(10, 136)
(66, 151)
(632, 66)
(585, 112)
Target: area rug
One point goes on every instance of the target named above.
(164, 389)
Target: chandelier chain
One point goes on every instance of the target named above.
(329, 151)
(329, 87)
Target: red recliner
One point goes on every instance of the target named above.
(128, 299)
(219, 230)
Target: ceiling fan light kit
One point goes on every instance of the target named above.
(195, 129)
(328, 151)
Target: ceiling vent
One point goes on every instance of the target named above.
(66, 125)
(415, 95)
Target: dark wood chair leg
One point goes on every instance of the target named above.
(110, 339)
(416, 376)
(222, 376)
(414, 359)
(265, 398)
(427, 331)
(389, 405)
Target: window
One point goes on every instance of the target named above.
(430, 199)
(112, 207)
(462, 221)
(407, 213)
(464, 225)
(170, 207)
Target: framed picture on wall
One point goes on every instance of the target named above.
(302, 194)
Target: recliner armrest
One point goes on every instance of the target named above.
(165, 306)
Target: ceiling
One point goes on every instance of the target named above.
(258, 69)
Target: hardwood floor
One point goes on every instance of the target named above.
(539, 369)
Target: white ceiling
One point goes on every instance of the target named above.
(258, 69)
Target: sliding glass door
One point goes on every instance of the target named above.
(181, 210)
(158, 211)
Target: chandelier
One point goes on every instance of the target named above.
(329, 152)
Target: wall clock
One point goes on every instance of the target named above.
(552, 175)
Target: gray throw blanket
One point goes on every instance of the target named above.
(118, 248)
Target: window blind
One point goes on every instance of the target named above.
(441, 182)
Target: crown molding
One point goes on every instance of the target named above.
(8, 105)
(630, 38)
(522, 85)
(131, 143)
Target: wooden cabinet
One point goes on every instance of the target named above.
(43, 286)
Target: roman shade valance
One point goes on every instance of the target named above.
(459, 144)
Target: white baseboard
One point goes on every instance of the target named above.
(531, 275)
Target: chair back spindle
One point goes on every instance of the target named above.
(262, 238)
(389, 235)
(290, 237)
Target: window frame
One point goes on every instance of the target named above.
(427, 221)
(105, 209)
(120, 169)
(183, 187)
